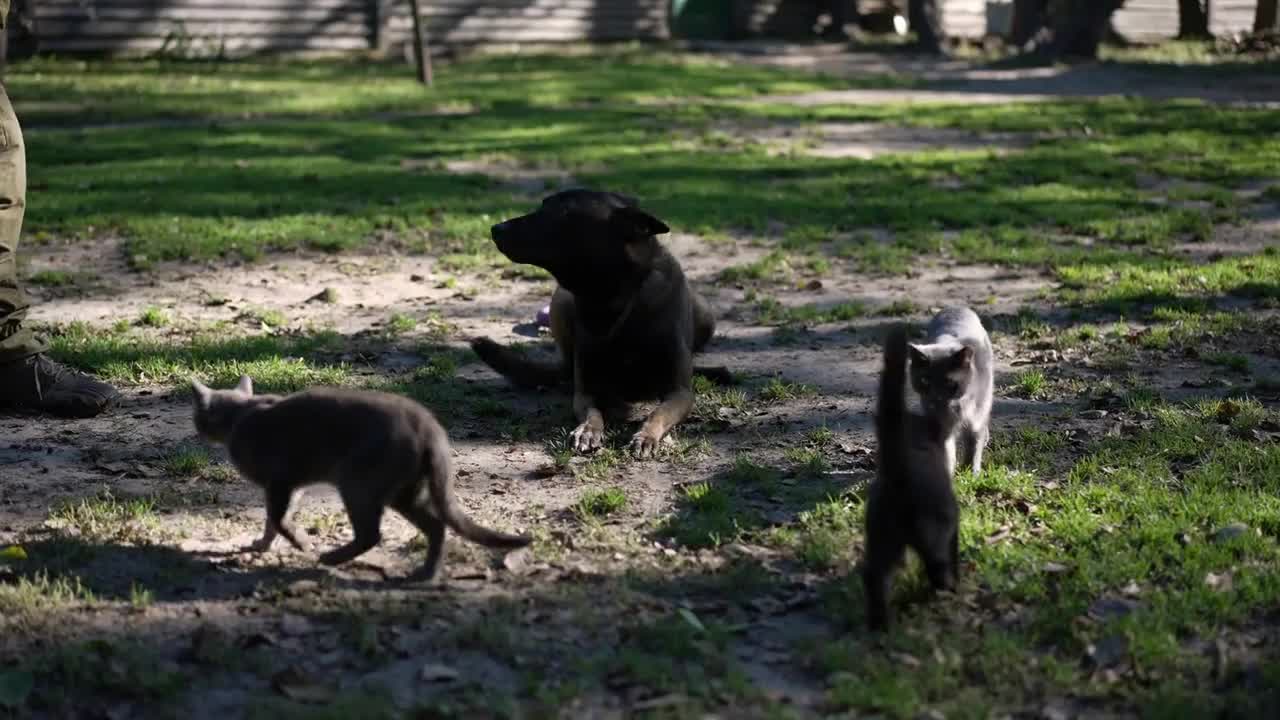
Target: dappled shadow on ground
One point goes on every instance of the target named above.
(262, 187)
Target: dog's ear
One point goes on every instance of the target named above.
(637, 224)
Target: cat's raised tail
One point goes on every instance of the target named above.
(440, 477)
(891, 410)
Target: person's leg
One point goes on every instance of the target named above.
(16, 342)
(28, 379)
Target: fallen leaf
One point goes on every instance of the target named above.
(13, 553)
(435, 672)
(295, 684)
(1222, 582)
(661, 701)
(117, 468)
(1112, 607)
(692, 619)
(1004, 532)
(909, 660)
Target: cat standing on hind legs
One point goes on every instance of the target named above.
(911, 503)
(379, 450)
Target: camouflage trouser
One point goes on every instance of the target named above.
(15, 341)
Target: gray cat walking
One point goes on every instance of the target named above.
(380, 450)
(953, 372)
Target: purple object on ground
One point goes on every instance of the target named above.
(544, 316)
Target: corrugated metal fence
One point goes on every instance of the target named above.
(1140, 20)
(243, 26)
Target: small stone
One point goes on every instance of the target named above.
(302, 587)
(517, 562)
(1093, 414)
(417, 278)
(1230, 532)
(1112, 607)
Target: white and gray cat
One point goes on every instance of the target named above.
(380, 450)
(952, 372)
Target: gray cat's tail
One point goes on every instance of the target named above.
(446, 505)
(516, 367)
(891, 412)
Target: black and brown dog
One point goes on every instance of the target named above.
(623, 315)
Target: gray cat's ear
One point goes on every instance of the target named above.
(918, 356)
(202, 393)
(963, 357)
(246, 385)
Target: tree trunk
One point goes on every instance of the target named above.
(1079, 26)
(421, 53)
(1193, 19)
(1264, 17)
(924, 20)
(1028, 18)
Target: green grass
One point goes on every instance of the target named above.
(275, 363)
(1031, 384)
(366, 177)
(153, 317)
(188, 460)
(52, 278)
(779, 390)
(597, 503)
(105, 516)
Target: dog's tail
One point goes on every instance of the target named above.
(517, 368)
(440, 479)
(891, 410)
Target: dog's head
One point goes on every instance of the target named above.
(584, 238)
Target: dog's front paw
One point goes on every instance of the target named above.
(586, 438)
(644, 445)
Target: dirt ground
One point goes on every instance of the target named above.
(551, 606)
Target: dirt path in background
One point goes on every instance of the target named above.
(969, 82)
